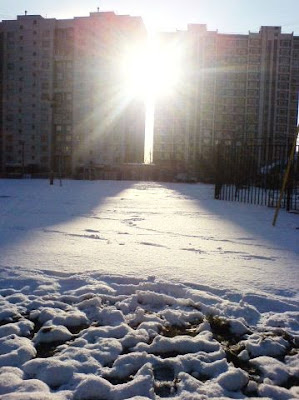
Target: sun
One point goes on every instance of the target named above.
(151, 71)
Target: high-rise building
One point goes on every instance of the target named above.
(27, 55)
(233, 88)
(62, 104)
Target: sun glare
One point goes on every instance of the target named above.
(152, 71)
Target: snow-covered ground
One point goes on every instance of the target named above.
(118, 290)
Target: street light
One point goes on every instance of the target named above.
(22, 142)
(59, 154)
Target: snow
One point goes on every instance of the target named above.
(174, 294)
(233, 380)
(272, 369)
(48, 334)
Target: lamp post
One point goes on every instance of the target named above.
(22, 142)
(60, 167)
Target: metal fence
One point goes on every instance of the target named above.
(254, 174)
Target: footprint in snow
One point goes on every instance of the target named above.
(153, 244)
(193, 250)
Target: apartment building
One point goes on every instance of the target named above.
(234, 88)
(61, 104)
(27, 49)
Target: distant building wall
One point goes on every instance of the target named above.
(62, 105)
(234, 88)
(59, 105)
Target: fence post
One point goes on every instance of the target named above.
(286, 176)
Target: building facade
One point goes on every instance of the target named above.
(234, 88)
(61, 104)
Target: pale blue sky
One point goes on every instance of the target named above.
(233, 16)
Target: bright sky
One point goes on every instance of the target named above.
(228, 16)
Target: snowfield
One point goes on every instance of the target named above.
(142, 290)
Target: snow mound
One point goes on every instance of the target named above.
(146, 339)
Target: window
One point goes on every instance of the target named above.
(252, 93)
(45, 96)
(282, 120)
(283, 77)
(285, 52)
(283, 68)
(283, 85)
(255, 42)
(251, 127)
(282, 102)
(253, 84)
(44, 159)
(285, 43)
(253, 75)
(255, 59)
(284, 60)
(254, 50)
(282, 95)
(251, 101)
(45, 65)
(9, 117)
(10, 44)
(282, 111)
